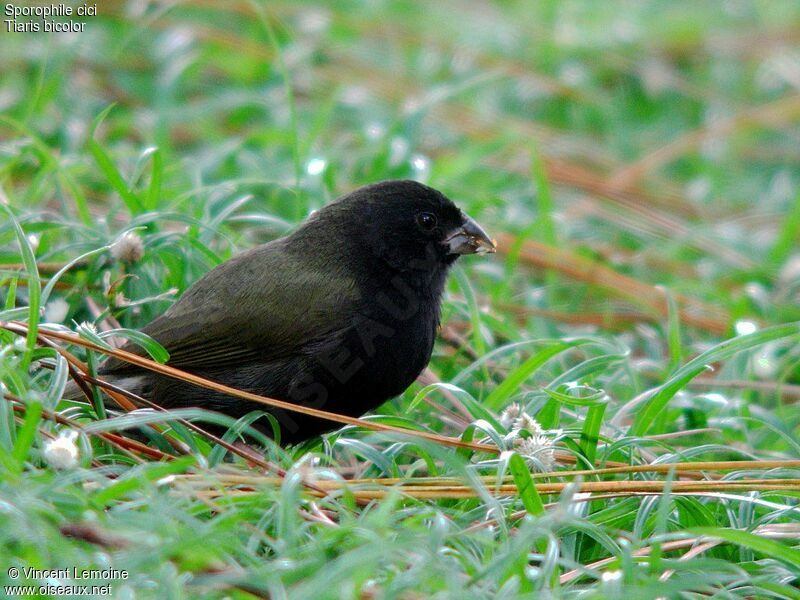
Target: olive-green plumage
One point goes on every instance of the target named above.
(340, 315)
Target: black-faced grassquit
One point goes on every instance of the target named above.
(341, 315)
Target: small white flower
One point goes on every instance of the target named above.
(88, 327)
(375, 131)
(744, 327)
(609, 576)
(528, 423)
(62, 451)
(33, 241)
(128, 248)
(539, 451)
(537, 446)
(56, 311)
(421, 165)
(316, 166)
(510, 414)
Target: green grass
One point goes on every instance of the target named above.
(655, 139)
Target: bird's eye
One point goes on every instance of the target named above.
(426, 221)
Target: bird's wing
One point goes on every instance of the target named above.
(261, 305)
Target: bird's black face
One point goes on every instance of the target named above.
(406, 222)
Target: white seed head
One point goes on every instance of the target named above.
(609, 576)
(62, 452)
(510, 414)
(128, 248)
(56, 311)
(538, 450)
(88, 327)
(528, 423)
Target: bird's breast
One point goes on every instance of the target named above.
(396, 332)
(384, 347)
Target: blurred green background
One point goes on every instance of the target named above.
(638, 162)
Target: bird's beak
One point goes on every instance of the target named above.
(470, 238)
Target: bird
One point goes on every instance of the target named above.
(339, 315)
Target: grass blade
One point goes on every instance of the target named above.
(650, 410)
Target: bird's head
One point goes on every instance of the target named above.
(405, 222)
